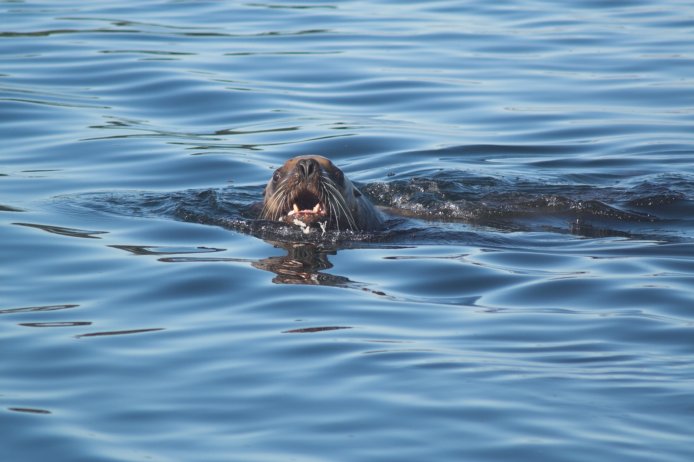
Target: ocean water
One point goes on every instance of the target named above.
(531, 297)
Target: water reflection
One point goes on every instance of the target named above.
(304, 264)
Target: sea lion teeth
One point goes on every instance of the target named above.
(318, 209)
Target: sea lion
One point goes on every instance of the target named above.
(310, 190)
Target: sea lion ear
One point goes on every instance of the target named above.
(356, 192)
(339, 176)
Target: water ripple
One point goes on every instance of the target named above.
(529, 298)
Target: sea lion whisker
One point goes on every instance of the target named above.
(328, 203)
(339, 207)
(273, 203)
(345, 212)
(268, 205)
(343, 205)
(331, 188)
(339, 200)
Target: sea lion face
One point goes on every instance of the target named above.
(311, 189)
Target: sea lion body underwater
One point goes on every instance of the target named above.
(310, 190)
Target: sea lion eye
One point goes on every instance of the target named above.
(276, 176)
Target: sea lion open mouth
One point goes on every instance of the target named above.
(302, 209)
(311, 190)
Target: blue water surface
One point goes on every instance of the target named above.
(532, 297)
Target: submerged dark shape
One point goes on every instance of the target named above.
(530, 206)
(310, 191)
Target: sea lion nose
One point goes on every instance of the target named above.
(307, 168)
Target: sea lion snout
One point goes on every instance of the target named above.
(307, 168)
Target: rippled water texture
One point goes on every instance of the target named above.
(531, 297)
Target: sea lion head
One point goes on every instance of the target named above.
(309, 190)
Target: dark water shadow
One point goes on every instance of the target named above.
(29, 410)
(161, 250)
(56, 324)
(119, 332)
(9, 208)
(71, 232)
(33, 309)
